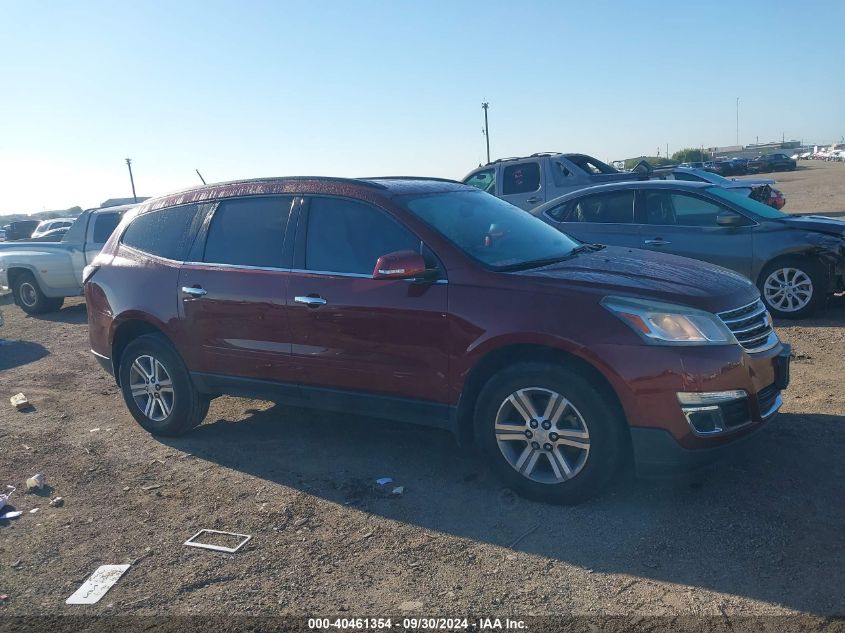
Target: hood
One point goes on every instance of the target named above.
(648, 275)
(819, 223)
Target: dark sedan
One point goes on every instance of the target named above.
(796, 261)
(771, 162)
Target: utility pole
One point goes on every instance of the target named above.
(131, 179)
(737, 120)
(667, 150)
(484, 106)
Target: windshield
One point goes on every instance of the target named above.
(716, 179)
(491, 231)
(746, 203)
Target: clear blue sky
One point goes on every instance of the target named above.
(254, 88)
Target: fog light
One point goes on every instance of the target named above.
(705, 420)
(703, 410)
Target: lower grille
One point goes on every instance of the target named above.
(735, 413)
(766, 399)
(752, 326)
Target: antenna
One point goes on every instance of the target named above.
(200, 175)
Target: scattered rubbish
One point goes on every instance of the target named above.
(126, 488)
(4, 498)
(26, 448)
(94, 430)
(34, 510)
(151, 487)
(4, 596)
(58, 502)
(97, 584)
(218, 548)
(19, 401)
(411, 605)
(384, 481)
(398, 490)
(36, 482)
(11, 514)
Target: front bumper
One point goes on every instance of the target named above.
(104, 361)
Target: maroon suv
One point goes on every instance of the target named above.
(431, 302)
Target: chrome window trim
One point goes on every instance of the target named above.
(329, 273)
(237, 267)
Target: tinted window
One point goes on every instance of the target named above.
(166, 233)
(104, 226)
(345, 236)
(521, 178)
(615, 207)
(665, 207)
(248, 232)
(484, 180)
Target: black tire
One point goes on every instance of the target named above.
(605, 424)
(30, 298)
(811, 269)
(187, 407)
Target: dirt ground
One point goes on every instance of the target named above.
(761, 534)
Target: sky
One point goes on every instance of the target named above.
(248, 89)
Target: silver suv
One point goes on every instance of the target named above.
(531, 181)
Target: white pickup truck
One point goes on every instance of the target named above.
(42, 274)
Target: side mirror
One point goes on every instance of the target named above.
(400, 265)
(729, 219)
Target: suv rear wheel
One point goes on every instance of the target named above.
(157, 387)
(30, 298)
(549, 432)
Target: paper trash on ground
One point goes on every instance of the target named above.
(97, 585)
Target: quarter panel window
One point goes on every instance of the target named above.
(521, 178)
(166, 233)
(345, 236)
(484, 180)
(248, 232)
(616, 207)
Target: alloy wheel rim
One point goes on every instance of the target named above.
(542, 435)
(28, 294)
(788, 289)
(151, 387)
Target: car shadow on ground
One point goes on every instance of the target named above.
(16, 353)
(831, 314)
(766, 525)
(76, 314)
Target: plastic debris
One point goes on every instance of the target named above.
(94, 430)
(97, 584)
(384, 481)
(4, 498)
(11, 514)
(34, 510)
(19, 401)
(218, 548)
(58, 502)
(36, 482)
(398, 490)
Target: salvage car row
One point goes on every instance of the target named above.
(562, 354)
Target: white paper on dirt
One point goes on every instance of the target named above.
(97, 585)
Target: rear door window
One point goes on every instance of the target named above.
(521, 178)
(104, 226)
(484, 180)
(616, 207)
(680, 209)
(249, 232)
(165, 233)
(345, 236)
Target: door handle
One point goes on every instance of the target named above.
(533, 199)
(311, 302)
(656, 242)
(194, 292)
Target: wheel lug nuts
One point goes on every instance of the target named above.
(547, 446)
(533, 424)
(547, 425)
(535, 445)
(553, 437)
(529, 434)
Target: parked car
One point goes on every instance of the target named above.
(53, 235)
(796, 261)
(20, 230)
(432, 302)
(2, 235)
(528, 182)
(771, 162)
(48, 225)
(41, 274)
(759, 189)
(693, 165)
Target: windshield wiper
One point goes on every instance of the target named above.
(537, 263)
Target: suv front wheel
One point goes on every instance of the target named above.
(157, 388)
(549, 433)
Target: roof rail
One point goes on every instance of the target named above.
(545, 154)
(371, 178)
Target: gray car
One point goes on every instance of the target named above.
(795, 260)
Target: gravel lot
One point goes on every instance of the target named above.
(762, 534)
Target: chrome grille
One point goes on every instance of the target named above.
(752, 326)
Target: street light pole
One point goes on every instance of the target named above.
(486, 105)
(131, 179)
(737, 120)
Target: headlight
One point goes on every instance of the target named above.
(668, 324)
